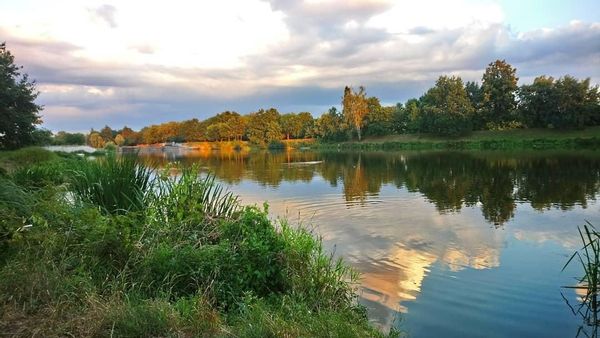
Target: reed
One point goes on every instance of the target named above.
(116, 184)
(589, 259)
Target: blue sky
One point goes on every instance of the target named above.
(136, 63)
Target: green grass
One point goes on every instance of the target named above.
(77, 259)
(506, 139)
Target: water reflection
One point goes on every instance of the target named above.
(473, 237)
(449, 180)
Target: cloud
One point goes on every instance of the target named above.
(396, 51)
(106, 13)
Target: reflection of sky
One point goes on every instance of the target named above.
(421, 269)
(454, 266)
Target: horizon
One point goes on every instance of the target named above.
(104, 63)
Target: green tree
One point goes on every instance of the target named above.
(577, 102)
(475, 94)
(538, 102)
(331, 126)
(446, 108)
(18, 111)
(42, 137)
(290, 125)
(499, 86)
(307, 123)
(355, 108)
(378, 120)
(263, 127)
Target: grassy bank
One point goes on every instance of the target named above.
(108, 249)
(588, 138)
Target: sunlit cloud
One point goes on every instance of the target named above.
(181, 60)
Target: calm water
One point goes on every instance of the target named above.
(455, 244)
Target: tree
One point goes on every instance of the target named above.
(307, 123)
(355, 108)
(538, 102)
(291, 126)
(95, 140)
(499, 86)
(131, 137)
(575, 102)
(446, 108)
(119, 140)
(475, 94)
(378, 120)
(331, 126)
(263, 127)
(18, 111)
(41, 137)
(107, 133)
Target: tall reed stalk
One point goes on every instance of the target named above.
(589, 258)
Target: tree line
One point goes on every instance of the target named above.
(450, 108)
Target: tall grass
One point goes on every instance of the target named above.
(116, 184)
(589, 259)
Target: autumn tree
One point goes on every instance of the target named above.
(355, 108)
(107, 133)
(119, 140)
(499, 86)
(96, 140)
(446, 108)
(19, 114)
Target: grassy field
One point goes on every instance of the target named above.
(107, 248)
(506, 139)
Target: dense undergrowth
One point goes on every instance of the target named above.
(112, 248)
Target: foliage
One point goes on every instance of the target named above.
(355, 107)
(95, 140)
(446, 108)
(331, 126)
(499, 86)
(41, 137)
(18, 111)
(65, 138)
(378, 120)
(264, 127)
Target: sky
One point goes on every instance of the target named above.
(138, 63)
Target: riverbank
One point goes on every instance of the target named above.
(588, 138)
(108, 248)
